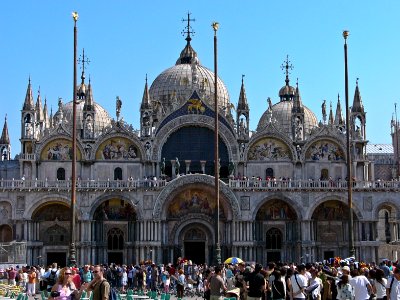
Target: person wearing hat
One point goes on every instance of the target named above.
(257, 284)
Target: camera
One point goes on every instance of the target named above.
(54, 294)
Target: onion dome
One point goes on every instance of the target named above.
(178, 82)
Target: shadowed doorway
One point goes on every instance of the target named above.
(195, 251)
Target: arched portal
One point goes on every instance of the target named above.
(115, 226)
(50, 225)
(330, 229)
(276, 226)
(195, 243)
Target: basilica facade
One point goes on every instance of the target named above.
(149, 193)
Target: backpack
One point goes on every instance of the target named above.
(112, 295)
(51, 280)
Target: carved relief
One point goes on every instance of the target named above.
(245, 202)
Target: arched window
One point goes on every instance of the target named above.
(324, 174)
(115, 239)
(60, 174)
(274, 239)
(118, 174)
(269, 173)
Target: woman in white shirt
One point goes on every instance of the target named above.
(380, 283)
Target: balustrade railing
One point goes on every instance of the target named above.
(81, 184)
(236, 184)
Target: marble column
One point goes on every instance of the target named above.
(187, 163)
(203, 166)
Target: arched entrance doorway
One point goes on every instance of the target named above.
(191, 215)
(115, 226)
(330, 229)
(276, 226)
(50, 223)
(195, 243)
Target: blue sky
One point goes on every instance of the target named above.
(124, 40)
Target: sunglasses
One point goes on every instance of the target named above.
(96, 271)
(67, 273)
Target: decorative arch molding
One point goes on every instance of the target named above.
(194, 120)
(380, 205)
(323, 198)
(39, 202)
(113, 195)
(112, 135)
(333, 138)
(182, 181)
(189, 220)
(50, 138)
(293, 203)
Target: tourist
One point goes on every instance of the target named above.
(99, 285)
(180, 284)
(393, 286)
(64, 288)
(217, 285)
(361, 286)
(257, 284)
(380, 284)
(31, 290)
(299, 283)
(345, 290)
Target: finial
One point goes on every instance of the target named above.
(75, 16)
(346, 34)
(146, 78)
(39, 91)
(243, 78)
(82, 60)
(215, 26)
(5, 119)
(29, 79)
(297, 82)
(286, 67)
(357, 81)
(89, 79)
(188, 29)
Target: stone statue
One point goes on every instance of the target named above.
(324, 111)
(177, 166)
(148, 150)
(118, 105)
(231, 168)
(162, 166)
(269, 103)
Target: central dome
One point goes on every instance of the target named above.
(175, 85)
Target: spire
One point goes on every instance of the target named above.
(51, 118)
(28, 104)
(331, 120)
(39, 110)
(357, 102)
(242, 103)
(297, 105)
(5, 138)
(82, 60)
(46, 114)
(89, 98)
(339, 120)
(188, 53)
(146, 97)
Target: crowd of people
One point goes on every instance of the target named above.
(332, 280)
